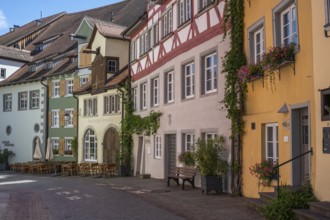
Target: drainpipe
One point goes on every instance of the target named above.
(75, 97)
(47, 108)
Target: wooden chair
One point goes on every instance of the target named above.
(42, 168)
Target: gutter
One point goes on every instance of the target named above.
(47, 108)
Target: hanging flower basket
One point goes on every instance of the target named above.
(265, 172)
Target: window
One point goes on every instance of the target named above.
(134, 50)
(169, 87)
(204, 3)
(7, 102)
(210, 73)
(83, 80)
(69, 87)
(112, 65)
(68, 146)
(90, 107)
(209, 135)
(143, 96)
(271, 142)
(327, 12)
(55, 118)
(158, 147)
(167, 21)
(285, 17)
(34, 99)
(55, 145)
(68, 121)
(3, 73)
(56, 88)
(111, 104)
(189, 80)
(22, 100)
(155, 31)
(144, 43)
(155, 92)
(256, 42)
(90, 144)
(184, 9)
(188, 141)
(135, 99)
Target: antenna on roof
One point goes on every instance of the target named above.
(41, 14)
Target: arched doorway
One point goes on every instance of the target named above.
(111, 146)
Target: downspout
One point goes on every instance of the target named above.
(47, 108)
(76, 98)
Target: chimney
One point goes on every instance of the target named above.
(16, 27)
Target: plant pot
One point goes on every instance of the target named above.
(210, 183)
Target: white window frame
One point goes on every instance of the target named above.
(158, 147)
(134, 50)
(291, 11)
(90, 107)
(69, 87)
(189, 141)
(7, 102)
(184, 11)
(68, 146)
(23, 100)
(90, 143)
(189, 80)
(167, 22)
(170, 87)
(56, 89)
(55, 144)
(204, 3)
(144, 95)
(213, 77)
(273, 142)
(68, 123)
(34, 99)
(259, 46)
(135, 98)
(155, 31)
(210, 135)
(55, 118)
(155, 91)
(83, 80)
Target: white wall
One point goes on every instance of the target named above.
(10, 66)
(22, 122)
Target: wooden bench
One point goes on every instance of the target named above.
(183, 173)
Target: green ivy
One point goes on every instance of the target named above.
(234, 92)
(134, 124)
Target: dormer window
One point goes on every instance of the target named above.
(39, 47)
(112, 65)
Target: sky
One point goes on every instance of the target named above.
(20, 12)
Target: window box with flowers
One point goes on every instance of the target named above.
(271, 62)
(265, 172)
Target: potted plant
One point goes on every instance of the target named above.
(209, 156)
(264, 171)
(4, 156)
(187, 158)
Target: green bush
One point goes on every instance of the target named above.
(281, 209)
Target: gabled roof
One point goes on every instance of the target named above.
(11, 53)
(132, 11)
(27, 29)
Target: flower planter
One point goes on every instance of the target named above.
(210, 183)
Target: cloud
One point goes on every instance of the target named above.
(3, 21)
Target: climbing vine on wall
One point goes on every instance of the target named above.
(134, 124)
(234, 92)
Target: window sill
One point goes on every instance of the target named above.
(183, 25)
(55, 127)
(206, 8)
(55, 97)
(209, 93)
(71, 126)
(167, 37)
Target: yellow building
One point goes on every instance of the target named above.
(280, 116)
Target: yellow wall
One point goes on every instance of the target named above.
(321, 48)
(263, 103)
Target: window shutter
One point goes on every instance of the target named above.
(75, 83)
(75, 118)
(62, 88)
(61, 147)
(61, 118)
(50, 89)
(50, 119)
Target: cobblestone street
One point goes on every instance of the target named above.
(47, 197)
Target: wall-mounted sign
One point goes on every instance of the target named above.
(7, 144)
(326, 140)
